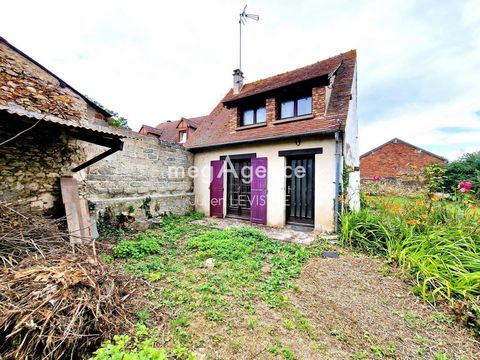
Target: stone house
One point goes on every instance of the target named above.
(248, 149)
(49, 131)
(398, 164)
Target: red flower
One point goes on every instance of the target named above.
(376, 178)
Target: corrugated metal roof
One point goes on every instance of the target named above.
(82, 124)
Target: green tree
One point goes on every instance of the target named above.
(118, 121)
(467, 168)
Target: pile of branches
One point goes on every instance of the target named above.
(60, 307)
(23, 233)
(55, 303)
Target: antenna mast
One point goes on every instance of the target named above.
(243, 18)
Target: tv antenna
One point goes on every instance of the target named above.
(243, 19)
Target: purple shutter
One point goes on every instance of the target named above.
(216, 188)
(258, 212)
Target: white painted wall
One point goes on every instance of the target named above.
(324, 177)
(351, 148)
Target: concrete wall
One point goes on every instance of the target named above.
(140, 172)
(352, 150)
(324, 178)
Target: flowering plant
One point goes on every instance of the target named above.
(465, 186)
(376, 178)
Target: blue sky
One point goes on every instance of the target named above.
(418, 61)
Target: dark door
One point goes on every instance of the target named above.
(238, 185)
(300, 190)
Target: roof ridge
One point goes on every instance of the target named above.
(302, 67)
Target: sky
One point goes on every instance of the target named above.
(152, 61)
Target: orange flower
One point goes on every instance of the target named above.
(413, 222)
(424, 216)
(436, 197)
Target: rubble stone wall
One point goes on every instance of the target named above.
(149, 176)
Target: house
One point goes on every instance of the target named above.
(273, 151)
(396, 159)
(399, 165)
(174, 131)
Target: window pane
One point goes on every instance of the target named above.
(247, 117)
(261, 114)
(286, 109)
(183, 136)
(304, 106)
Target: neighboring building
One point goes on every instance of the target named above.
(52, 139)
(51, 117)
(174, 131)
(396, 159)
(306, 117)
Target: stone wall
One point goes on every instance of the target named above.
(31, 164)
(141, 177)
(392, 186)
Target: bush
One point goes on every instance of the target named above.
(467, 168)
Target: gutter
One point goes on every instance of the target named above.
(337, 182)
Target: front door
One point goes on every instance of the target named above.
(238, 185)
(300, 186)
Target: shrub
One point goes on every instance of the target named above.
(467, 168)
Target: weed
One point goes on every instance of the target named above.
(288, 354)
(378, 351)
(339, 335)
(411, 319)
(440, 356)
(360, 355)
(143, 316)
(252, 323)
(441, 318)
(288, 324)
(108, 259)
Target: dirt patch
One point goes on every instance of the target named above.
(344, 308)
(355, 307)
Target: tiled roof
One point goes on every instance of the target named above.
(309, 72)
(168, 130)
(215, 130)
(397, 140)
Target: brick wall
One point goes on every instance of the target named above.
(396, 159)
(271, 107)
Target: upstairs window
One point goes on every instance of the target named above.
(298, 106)
(253, 116)
(182, 137)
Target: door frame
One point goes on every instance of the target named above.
(233, 159)
(300, 155)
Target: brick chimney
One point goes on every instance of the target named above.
(237, 81)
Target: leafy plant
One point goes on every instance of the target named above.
(467, 168)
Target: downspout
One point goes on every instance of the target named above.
(337, 180)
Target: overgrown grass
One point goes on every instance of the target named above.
(244, 268)
(437, 242)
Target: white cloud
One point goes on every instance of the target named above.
(153, 61)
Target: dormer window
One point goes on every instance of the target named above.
(251, 116)
(182, 137)
(298, 106)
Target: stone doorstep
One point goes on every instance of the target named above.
(286, 234)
